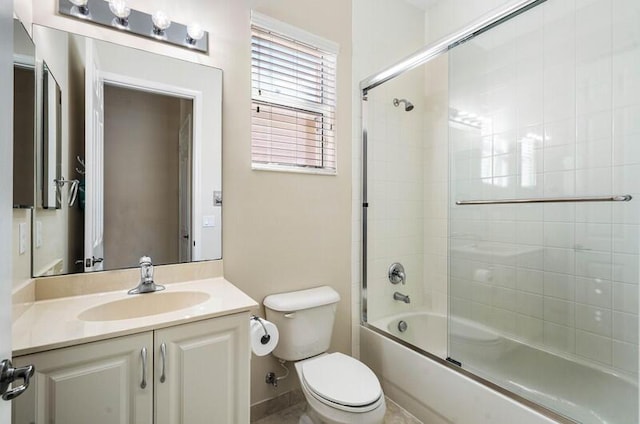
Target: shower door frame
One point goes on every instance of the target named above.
(422, 56)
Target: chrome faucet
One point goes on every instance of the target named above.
(396, 273)
(146, 284)
(402, 297)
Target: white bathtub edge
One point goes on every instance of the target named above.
(435, 393)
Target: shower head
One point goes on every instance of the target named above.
(408, 106)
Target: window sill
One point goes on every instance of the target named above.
(291, 169)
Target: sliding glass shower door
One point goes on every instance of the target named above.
(544, 207)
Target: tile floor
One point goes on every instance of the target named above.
(394, 415)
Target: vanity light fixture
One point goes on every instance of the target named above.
(160, 24)
(121, 12)
(118, 15)
(80, 8)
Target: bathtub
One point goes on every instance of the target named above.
(428, 332)
(413, 373)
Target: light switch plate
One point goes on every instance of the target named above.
(208, 221)
(38, 233)
(22, 238)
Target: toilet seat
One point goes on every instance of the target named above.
(341, 382)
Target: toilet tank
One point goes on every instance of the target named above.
(304, 319)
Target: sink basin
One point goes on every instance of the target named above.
(143, 305)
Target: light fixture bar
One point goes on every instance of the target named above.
(138, 23)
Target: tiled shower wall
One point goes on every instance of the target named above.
(548, 105)
(384, 31)
(395, 194)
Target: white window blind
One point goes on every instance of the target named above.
(293, 103)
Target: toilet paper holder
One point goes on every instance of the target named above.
(267, 337)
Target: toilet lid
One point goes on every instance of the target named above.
(342, 379)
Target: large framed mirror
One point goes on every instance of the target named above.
(140, 158)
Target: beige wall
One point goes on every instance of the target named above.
(140, 177)
(287, 231)
(281, 231)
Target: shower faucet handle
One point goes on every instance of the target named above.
(396, 273)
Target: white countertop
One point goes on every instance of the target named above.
(51, 324)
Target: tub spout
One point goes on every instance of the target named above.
(402, 297)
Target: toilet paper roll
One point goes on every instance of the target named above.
(262, 344)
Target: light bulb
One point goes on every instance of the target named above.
(160, 22)
(119, 8)
(121, 11)
(194, 33)
(81, 6)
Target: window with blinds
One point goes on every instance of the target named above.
(293, 100)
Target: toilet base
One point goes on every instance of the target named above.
(305, 419)
(320, 413)
(334, 416)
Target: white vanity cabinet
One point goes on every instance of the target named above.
(206, 372)
(199, 373)
(98, 383)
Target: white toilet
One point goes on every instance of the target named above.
(339, 389)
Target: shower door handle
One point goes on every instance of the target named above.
(614, 198)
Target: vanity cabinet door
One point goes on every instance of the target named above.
(97, 383)
(206, 372)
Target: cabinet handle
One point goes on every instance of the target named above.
(9, 374)
(143, 354)
(163, 356)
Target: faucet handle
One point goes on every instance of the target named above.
(396, 273)
(146, 278)
(146, 269)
